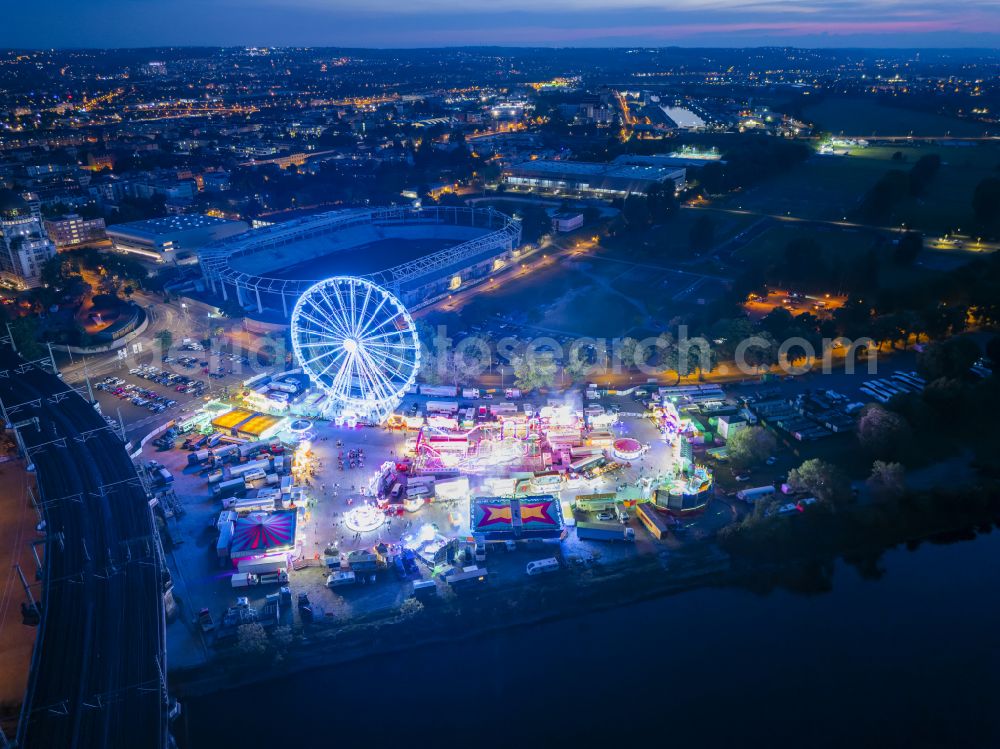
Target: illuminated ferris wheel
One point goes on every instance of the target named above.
(358, 343)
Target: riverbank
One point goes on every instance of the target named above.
(802, 566)
(903, 660)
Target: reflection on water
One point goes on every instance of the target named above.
(903, 653)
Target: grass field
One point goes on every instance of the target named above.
(851, 245)
(831, 187)
(865, 118)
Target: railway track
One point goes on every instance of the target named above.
(99, 663)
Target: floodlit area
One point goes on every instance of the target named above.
(455, 486)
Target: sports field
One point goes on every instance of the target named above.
(353, 261)
(864, 118)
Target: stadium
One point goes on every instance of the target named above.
(418, 254)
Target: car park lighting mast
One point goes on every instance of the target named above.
(357, 343)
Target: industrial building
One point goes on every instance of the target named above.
(614, 180)
(164, 239)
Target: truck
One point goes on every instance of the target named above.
(511, 394)
(163, 477)
(243, 580)
(470, 393)
(603, 532)
(267, 563)
(197, 457)
(284, 387)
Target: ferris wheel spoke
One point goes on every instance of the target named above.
(333, 314)
(364, 310)
(376, 378)
(341, 308)
(383, 359)
(322, 328)
(373, 318)
(382, 336)
(383, 324)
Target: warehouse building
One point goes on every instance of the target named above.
(591, 179)
(166, 239)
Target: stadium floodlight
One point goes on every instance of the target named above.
(357, 343)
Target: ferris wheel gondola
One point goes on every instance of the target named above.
(357, 342)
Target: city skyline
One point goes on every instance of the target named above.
(442, 23)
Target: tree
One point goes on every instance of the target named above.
(636, 212)
(166, 339)
(251, 639)
(882, 432)
(749, 446)
(986, 202)
(25, 335)
(823, 480)
(887, 480)
(535, 222)
(908, 248)
(534, 371)
(702, 235)
(951, 358)
(576, 369)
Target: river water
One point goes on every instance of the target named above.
(911, 659)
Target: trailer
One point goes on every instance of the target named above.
(441, 407)
(468, 578)
(243, 580)
(756, 493)
(655, 522)
(254, 465)
(586, 531)
(229, 488)
(248, 505)
(264, 564)
(439, 391)
(339, 578)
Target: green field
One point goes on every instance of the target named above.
(832, 187)
(851, 245)
(865, 118)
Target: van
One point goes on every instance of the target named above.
(541, 566)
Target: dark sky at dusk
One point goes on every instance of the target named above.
(431, 23)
